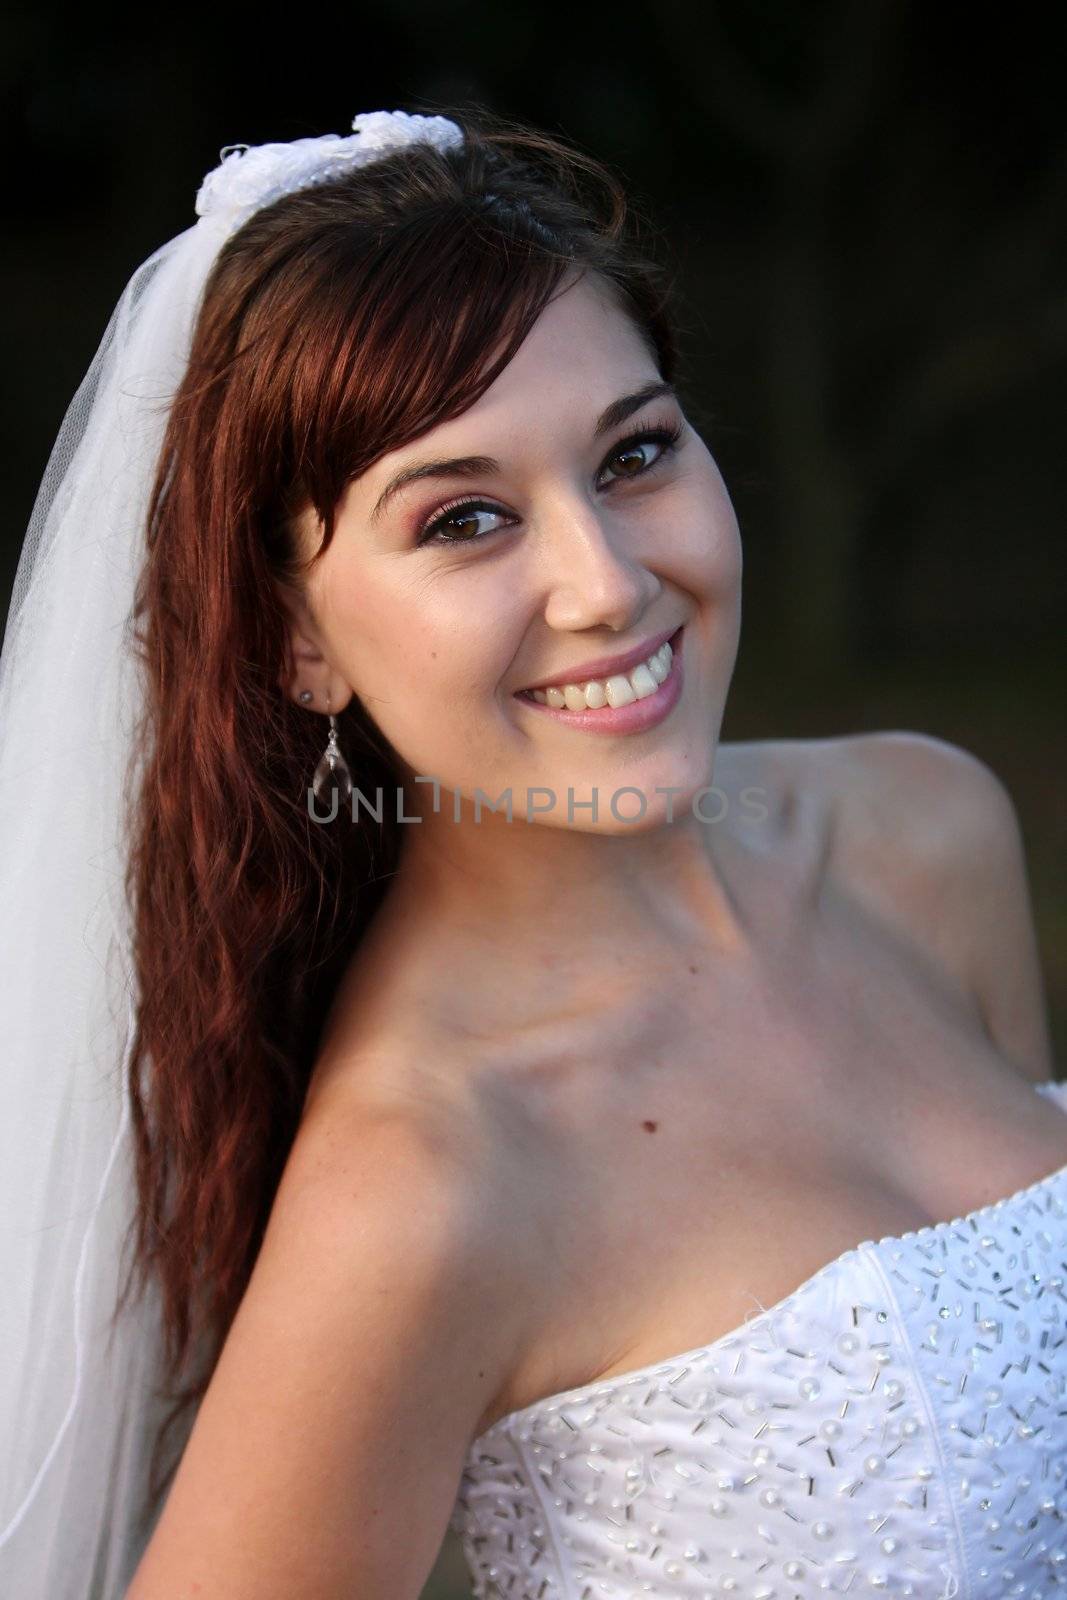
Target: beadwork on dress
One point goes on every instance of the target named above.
(895, 1426)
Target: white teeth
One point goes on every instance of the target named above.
(660, 666)
(574, 699)
(621, 690)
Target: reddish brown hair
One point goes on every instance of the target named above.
(340, 323)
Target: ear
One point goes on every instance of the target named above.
(307, 670)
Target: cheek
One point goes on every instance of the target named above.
(706, 538)
(723, 544)
(429, 668)
(398, 644)
(729, 554)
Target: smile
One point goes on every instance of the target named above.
(627, 702)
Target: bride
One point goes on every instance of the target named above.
(545, 1035)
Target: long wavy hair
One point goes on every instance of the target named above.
(338, 324)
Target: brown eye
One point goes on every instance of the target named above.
(463, 513)
(665, 437)
(466, 512)
(631, 454)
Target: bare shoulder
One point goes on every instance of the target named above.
(429, 1155)
(378, 1325)
(871, 783)
(477, 1148)
(915, 779)
(910, 805)
(931, 831)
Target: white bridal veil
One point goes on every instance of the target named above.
(77, 1416)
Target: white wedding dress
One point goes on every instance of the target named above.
(896, 1426)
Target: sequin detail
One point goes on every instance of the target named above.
(897, 1426)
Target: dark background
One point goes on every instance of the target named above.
(866, 207)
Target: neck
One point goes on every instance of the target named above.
(560, 918)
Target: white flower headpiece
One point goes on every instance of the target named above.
(252, 176)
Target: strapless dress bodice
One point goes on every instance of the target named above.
(896, 1426)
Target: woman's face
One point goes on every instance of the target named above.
(581, 542)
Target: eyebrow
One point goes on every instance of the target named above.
(481, 466)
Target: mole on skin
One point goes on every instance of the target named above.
(650, 1127)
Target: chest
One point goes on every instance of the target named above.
(898, 1416)
(724, 1138)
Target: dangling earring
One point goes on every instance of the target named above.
(332, 770)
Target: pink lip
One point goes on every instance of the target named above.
(605, 666)
(634, 718)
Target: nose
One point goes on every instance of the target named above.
(594, 578)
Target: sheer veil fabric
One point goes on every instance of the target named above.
(78, 1413)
